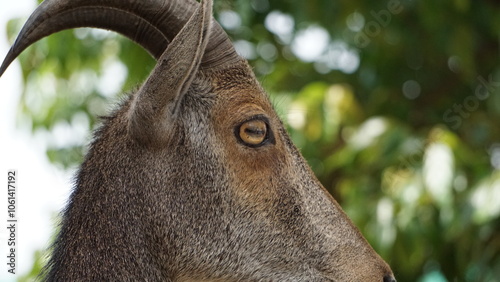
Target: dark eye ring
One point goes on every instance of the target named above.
(254, 132)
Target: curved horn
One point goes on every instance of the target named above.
(151, 23)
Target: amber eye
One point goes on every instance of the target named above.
(254, 132)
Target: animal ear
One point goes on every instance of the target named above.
(158, 102)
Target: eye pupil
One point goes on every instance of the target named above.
(253, 133)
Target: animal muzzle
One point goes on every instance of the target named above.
(389, 278)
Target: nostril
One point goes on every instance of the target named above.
(389, 278)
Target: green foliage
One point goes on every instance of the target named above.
(38, 264)
(398, 132)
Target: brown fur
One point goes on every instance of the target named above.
(167, 191)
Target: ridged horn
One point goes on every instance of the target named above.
(150, 23)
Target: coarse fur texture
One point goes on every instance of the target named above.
(168, 192)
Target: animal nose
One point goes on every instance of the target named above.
(389, 278)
